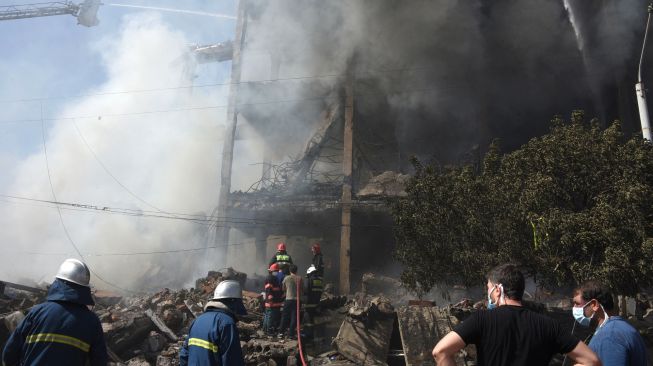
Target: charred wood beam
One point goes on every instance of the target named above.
(5, 284)
(161, 325)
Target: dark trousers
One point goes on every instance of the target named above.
(289, 318)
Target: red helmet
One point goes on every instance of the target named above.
(274, 267)
(281, 246)
(316, 248)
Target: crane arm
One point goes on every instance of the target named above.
(11, 12)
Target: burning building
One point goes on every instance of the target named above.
(338, 95)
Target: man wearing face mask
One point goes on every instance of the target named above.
(509, 334)
(615, 341)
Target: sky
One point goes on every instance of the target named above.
(109, 150)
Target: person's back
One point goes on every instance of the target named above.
(213, 338)
(514, 335)
(60, 331)
(508, 333)
(290, 286)
(616, 342)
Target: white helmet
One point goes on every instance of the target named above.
(228, 289)
(311, 269)
(75, 271)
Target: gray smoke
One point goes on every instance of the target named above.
(445, 75)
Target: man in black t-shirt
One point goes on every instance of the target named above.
(509, 334)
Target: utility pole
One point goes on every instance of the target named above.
(640, 90)
(347, 167)
(223, 227)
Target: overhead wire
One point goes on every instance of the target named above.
(180, 216)
(61, 220)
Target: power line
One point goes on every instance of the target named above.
(63, 224)
(106, 170)
(181, 216)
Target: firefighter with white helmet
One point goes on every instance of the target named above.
(213, 338)
(315, 287)
(62, 330)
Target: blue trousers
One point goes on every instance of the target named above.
(271, 320)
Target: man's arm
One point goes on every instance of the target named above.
(230, 350)
(446, 349)
(98, 353)
(183, 353)
(583, 355)
(13, 348)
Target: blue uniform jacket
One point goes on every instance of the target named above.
(213, 339)
(60, 331)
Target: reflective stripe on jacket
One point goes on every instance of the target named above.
(212, 340)
(60, 331)
(273, 292)
(315, 289)
(281, 257)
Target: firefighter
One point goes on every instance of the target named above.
(318, 260)
(282, 258)
(213, 337)
(273, 301)
(62, 330)
(314, 289)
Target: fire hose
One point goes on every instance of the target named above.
(299, 335)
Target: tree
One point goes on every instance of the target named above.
(572, 205)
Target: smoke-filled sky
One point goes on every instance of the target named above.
(124, 150)
(433, 78)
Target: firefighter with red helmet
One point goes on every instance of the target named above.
(282, 258)
(318, 260)
(273, 301)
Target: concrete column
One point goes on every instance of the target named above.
(223, 227)
(347, 165)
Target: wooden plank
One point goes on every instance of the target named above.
(365, 343)
(421, 328)
(161, 325)
(4, 284)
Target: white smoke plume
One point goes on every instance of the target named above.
(169, 160)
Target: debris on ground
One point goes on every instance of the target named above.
(381, 325)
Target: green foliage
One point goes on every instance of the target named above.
(572, 205)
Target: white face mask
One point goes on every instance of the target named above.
(490, 304)
(579, 315)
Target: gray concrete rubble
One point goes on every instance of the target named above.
(381, 325)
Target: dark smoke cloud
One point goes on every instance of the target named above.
(435, 78)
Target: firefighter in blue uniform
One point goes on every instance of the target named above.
(62, 330)
(213, 337)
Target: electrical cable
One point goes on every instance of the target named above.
(61, 220)
(372, 72)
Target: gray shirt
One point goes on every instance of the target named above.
(290, 286)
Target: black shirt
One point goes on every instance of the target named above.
(513, 335)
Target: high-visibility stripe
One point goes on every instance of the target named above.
(203, 344)
(59, 338)
(283, 258)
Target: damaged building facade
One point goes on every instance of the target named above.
(337, 97)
